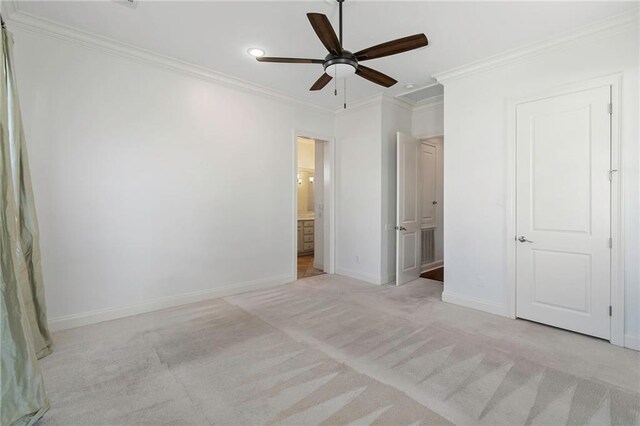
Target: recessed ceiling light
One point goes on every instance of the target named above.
(409, 86)
(254, 51)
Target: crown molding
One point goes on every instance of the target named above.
(361, 103)
(376, 99)
(600, 28)
(400, 103)
(403, 96)
(17, 19)
(434, 102)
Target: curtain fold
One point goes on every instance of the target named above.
(25, 336)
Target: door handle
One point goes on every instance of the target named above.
(522, 239)
(400, 228)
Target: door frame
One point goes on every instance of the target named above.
(423, 139)
(329, 214)
(400, 208)
(617, 205)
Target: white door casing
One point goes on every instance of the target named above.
(319, 191)
(409, 206)
(563, 150)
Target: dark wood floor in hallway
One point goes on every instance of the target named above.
(434, 274)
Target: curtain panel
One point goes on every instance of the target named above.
(25, 336)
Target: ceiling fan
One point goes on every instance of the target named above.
(341, 62)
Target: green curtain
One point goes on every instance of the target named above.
(25, 336)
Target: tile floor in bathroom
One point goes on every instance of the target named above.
(305, 267)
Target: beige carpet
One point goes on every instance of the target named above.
(331, 350)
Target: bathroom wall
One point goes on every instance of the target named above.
(306, 171)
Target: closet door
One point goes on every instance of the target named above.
(563, 211)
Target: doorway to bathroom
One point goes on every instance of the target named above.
(313, 230)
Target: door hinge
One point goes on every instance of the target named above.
(610, 310)
(610, 242)
(610, 108)
(611, 172)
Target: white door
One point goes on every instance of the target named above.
(563, 211)
(409, 206)
(429, 184)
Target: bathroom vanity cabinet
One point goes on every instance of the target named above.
(305, 236)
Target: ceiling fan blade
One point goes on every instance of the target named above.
(321, 82)
(289, 60)
(393, 47)
(325, 32)
(375, 76)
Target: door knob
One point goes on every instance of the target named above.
(522, 239)
(434, 202)
(400, 228)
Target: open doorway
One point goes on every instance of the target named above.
(419, 212)
(432, 241)
(312, 195)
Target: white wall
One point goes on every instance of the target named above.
(151, 184)
(366, 206)
(359, 193)
(476, 182)
(428, 119)
(306, 153)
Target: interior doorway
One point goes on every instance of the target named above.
(313, 195)
(420, 239)
(431, 197)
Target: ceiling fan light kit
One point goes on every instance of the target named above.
(341, 66)
(341, 63)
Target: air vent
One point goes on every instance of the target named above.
(132, 4)
(423, 94)
(428, 246)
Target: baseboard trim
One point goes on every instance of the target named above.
(389, 279)
(632, 342)
(358, 276)
(475, 303)
(100, 315)
(431, 266)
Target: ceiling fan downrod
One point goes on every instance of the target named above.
(340, 22)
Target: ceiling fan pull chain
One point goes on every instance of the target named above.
(344, 106)
(335, 85)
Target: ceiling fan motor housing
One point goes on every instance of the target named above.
(341, 65)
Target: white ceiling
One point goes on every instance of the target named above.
(216, 34)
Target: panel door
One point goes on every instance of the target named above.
(563, 211)
(409, 206)
(429, 197)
